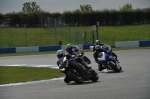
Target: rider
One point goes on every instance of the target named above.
(73, 50)
(97, 42)
(98, 50)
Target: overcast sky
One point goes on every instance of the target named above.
(51, 6)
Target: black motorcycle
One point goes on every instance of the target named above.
(82, 55)
(75, 71)
(60, 55)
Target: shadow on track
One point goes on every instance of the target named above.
(85, 83)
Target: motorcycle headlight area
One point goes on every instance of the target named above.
(79, 52)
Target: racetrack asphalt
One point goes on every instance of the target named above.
(133, 82)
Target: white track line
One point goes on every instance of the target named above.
(31, 82)
(30, 65)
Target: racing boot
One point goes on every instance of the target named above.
(100, 67)
(67, 79)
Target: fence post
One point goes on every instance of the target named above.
(97, 23)
(93, 37)
(55, 32)
(25, 35)
(69, 32)
(84, 37)
(76, 35)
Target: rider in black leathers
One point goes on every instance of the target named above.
(97, 49)
(97, 42)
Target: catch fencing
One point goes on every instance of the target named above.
(46, 32)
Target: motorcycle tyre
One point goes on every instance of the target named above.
(87, 60)
(117, 70)
(113, 54)
(74, 78)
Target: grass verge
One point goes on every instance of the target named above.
(24, 74)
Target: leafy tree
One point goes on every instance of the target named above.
(31, 7)
(126, 7)
(85, 8)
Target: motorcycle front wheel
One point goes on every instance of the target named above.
(75, 76)
(87, 60)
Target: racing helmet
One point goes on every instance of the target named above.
(60, 54)
(68, 46)
(97, 42)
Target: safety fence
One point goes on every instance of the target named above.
(48, 32)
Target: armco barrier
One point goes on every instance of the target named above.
(126, 44)
(144, 43)
(132, 44)
(49, 48)
(27, 49)
(40, 48)
(7, 50)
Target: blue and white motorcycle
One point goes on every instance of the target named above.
(109, 62)
(106, 48)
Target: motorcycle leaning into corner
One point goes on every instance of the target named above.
(109, 62)
(79, 51)
(75, 71)
(106, 48)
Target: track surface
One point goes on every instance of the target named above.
(132, 83)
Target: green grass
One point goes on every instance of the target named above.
(15, 37)
(24, 74)
(112, 34)
(27, 53)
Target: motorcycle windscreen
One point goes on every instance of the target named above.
(101, 56)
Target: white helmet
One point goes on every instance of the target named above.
(60, 54)
(97, 42)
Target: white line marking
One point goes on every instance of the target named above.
(30, 65)
(31, 82)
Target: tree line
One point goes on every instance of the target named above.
(31, 13)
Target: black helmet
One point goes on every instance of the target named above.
(97, 42)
